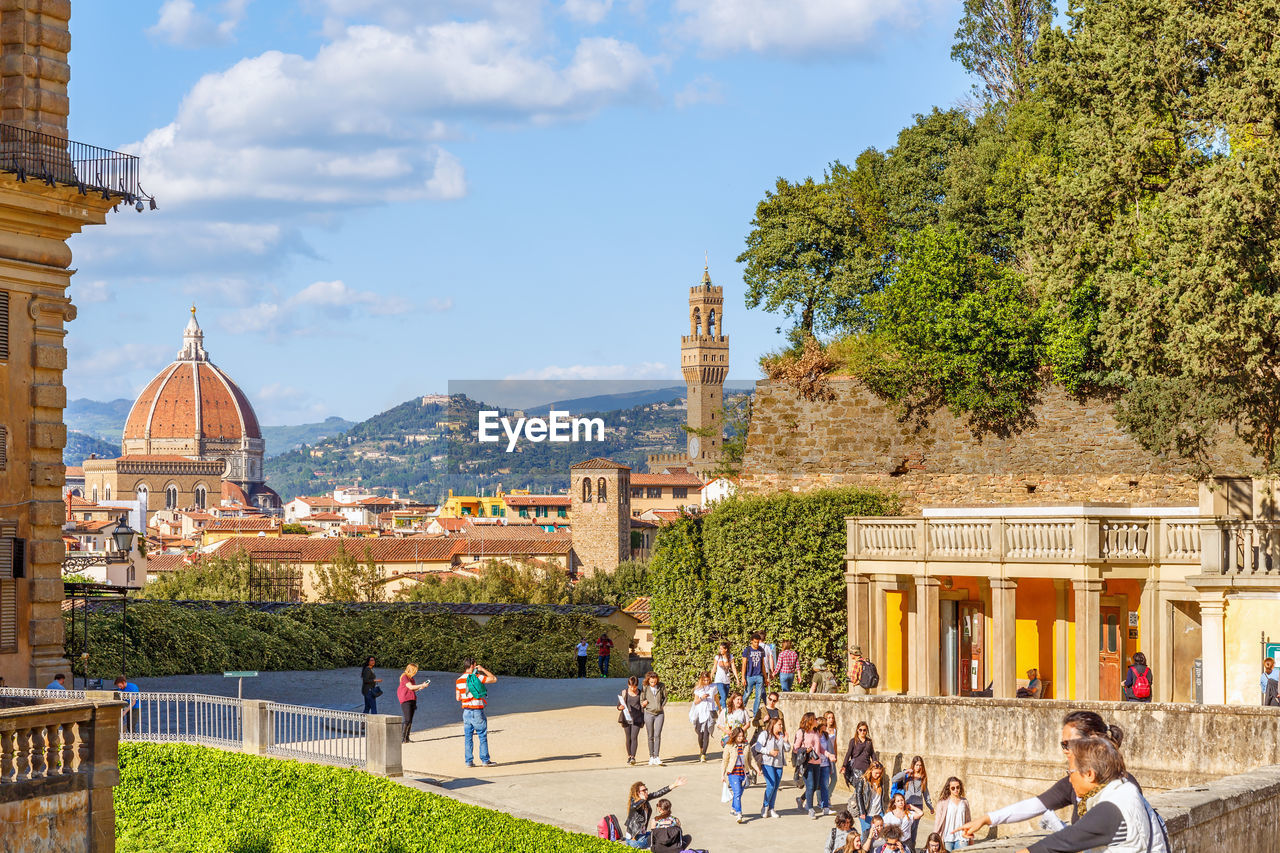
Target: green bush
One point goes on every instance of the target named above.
(175, 798)
(772, 562)
(166, 638)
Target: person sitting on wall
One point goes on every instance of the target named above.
(1034, 685)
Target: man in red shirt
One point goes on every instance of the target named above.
(604, 646)
(470, 691)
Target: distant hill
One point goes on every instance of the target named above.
(628, 399)
(105, 421)
(80, 447)
(423, 450)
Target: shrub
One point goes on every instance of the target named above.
(175, 798)
(772, 562)
(183, 638)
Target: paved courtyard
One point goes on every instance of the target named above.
(561, 754)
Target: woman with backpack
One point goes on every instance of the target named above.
(1137, 680)
(1075, 725)
(639, 811)
(870, 795)
(667, 836)
(807, 751)
(771, 748)
(914, 784)
(860, 753)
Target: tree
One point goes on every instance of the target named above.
(954, 329)
(300, 529)
(618, 588)
(344, 578)
(995, 42)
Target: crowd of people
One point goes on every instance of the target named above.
(883, 811)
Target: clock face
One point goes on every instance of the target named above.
(694, 446)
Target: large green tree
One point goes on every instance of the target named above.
(995, 42)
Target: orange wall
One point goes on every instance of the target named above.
(895, 614)
(1035, 609)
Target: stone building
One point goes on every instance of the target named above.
(191, 440)
(704, 361)
(49, 190)
(600, 490)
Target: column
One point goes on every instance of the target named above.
(1003, 638)
(858, 606)
(1212, 612)
(927, 639)
(1061, 687)
(383, 745)
(1150, 617)
(1088, 592)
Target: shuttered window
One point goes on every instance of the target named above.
(4, 325)
(8, 617)
(4, 448)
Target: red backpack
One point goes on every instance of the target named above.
(1141, 683)
(609, 828)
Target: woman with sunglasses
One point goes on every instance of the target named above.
(870, 795)
(860, 753)
(1118, 819)
(1077, 724)
(639, 811)
(952, 813)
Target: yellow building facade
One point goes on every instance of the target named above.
(476, 506)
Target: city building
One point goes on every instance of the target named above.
(673, 491)
(191, 440)
(475, 506)
(600, 492)
(46, 196)
(553, 508)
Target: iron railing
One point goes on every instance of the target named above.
(184, 718)
(32, 155)
(316, 734)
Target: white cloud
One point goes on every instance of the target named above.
(703, 89)
(587, 11)
(644, 370)
(91, 291)
(109, 372)
(304, 312)
(794, 27)
(180, 23)
(278, 403)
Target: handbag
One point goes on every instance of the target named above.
(377, 691)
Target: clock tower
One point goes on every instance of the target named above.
(704, 360)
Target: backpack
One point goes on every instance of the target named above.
(1141, 683)
(870, 678)
(608, 828)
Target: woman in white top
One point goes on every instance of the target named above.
(901, 814)
(706, 705)
(723, 673)
(952, 814)
(732, 716)
(772, 747)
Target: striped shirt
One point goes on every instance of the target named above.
(738, 769)
(787, 661)
(469, 702)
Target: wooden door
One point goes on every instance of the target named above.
(1111, 656)
(973, 633)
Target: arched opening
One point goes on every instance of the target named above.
(711, 322)
(695, 322)
(171, 497)
(586, 490)
(602, 490)
(95, 494)
(144, 496)
(108, 493)
(202, 497)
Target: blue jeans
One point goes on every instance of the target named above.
(640, 843)
(370, 701)
(825, 778)
(812, 786)
(475, 721)
(754, 683)
(956, 845)
(735, 785)
(787, 679)
(604, 665)
(723, 690)
(772, 779)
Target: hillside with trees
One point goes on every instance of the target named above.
(1103, 215)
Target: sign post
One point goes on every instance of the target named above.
(242, 675)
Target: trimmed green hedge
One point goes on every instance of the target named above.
(773, 562)
(164, 638)
(175, 798)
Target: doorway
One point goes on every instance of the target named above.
(973, 632)
(1111, 652)
(949, 614)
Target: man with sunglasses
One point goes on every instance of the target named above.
(890, 842)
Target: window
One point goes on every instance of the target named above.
(171, 497)
(680, 492)
(4, 325)
(637, 492)
(8, 616)
(562, 512)
(144, 497)
(540, 512)
(202, 497)
(108, 494)
(654, 492)
(95, 494)
(586, 490)
(524, 512)
(711, 322)
(4, 448)
(602, 491)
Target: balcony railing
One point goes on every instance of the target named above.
(51, 749)
(1245, 549)
(1030, 539)
(35, 156)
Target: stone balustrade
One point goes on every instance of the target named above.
(57, 768)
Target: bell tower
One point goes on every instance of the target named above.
(704, 360)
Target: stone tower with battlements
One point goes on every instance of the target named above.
(704, 360)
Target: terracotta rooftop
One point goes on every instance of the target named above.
(639, 608)
(410, 549)
(324, 516)
(600, 462)
(684, 479)
(222, 525)
(537, 500)
(167, 407)
(75, 471)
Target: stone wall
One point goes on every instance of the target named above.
(58, 823)
(1007, 749)
(1075, 452)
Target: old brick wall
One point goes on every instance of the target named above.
(58, 823)
(1075, 452)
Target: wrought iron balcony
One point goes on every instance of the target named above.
(32, 155)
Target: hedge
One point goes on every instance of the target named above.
(166, 638)
(772, 562)
(176, 798)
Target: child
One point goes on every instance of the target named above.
(667, 836)
(839, 833)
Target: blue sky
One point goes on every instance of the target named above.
(369, 198)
